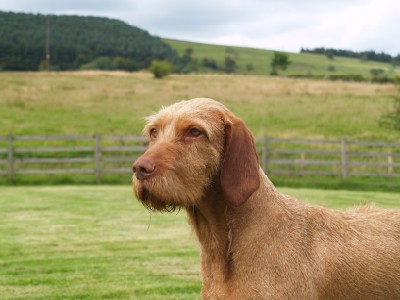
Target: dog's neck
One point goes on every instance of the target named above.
(211, 223)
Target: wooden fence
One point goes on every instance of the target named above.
(100, 156)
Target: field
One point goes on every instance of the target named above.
(94, 242)
(301, 63)
(116, 102)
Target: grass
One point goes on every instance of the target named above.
(116, 102)
(301, 63)
(99, 243)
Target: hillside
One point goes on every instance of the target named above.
(78, 42)
(257, 61)
(75, 41)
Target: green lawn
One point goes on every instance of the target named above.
(92, 242)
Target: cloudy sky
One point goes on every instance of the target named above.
(285, 25)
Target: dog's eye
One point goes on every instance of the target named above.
(153, 133)
(194, 132)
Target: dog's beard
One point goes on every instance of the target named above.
(154, 203)
(149, 199)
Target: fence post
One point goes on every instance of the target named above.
(344, 157)
(97, 155)
(264, 154)
(390, 161)
(10, 159)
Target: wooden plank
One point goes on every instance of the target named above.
(119, 159)
(55, 160)
(373, 174)
(54, 149)
(371, 154)
(123, 148)
(56, 171)
(303, 141)
(53, 138)
(376, 144)
(304, 162)
(375, 164)
(124, 138)
(300, 151)
(117, 170)
(292, 172)
(3, 150)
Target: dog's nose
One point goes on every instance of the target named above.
(143, 168)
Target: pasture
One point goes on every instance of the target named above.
(74, 242)
(114, 103)
(260, 61)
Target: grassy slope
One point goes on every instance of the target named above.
(115, 103)
(100, 243)
(301, 63)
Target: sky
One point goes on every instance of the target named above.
(285, 25)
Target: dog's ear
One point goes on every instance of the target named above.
(240, 168)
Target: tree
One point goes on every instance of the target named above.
(160, 68)
(281, 61)
(230, 65)
(76, 41)
(210, 63)
(187, 56)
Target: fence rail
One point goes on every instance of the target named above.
(99, 156)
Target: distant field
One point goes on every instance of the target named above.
(99, 243)
(116, 102)
(301, 63)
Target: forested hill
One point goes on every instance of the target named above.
(76, 42)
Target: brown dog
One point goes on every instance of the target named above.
(257, 243)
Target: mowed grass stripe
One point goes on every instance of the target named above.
(94, 242)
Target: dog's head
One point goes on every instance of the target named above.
(195, 146)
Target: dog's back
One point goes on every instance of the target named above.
(360, 254)
(310, 252)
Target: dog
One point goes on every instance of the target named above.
(257, 243)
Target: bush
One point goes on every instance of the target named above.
(125, 64)
(100, 63)
(160, 68)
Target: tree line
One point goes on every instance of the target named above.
(364, 55)
(76, 42)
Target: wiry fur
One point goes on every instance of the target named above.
(257, 243)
